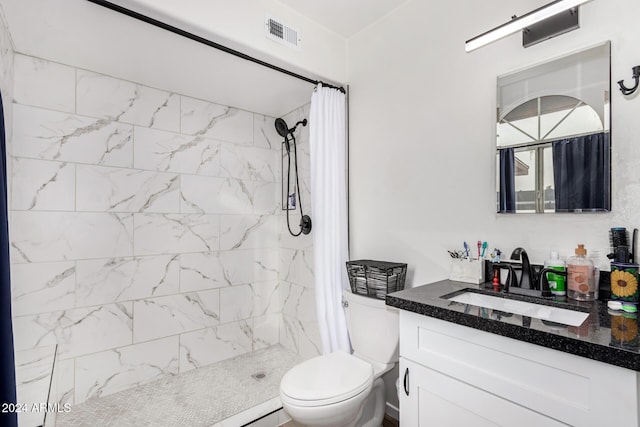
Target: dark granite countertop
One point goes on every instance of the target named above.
(605, 336)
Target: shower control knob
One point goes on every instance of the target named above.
(305, 224)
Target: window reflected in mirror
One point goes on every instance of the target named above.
(552, 136)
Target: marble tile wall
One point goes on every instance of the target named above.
(145, 229)
(299, 325)
(7, 55)
(33, 373)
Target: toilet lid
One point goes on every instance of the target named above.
(327, 379)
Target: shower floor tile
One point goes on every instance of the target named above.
(201, 397)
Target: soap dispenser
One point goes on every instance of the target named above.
(580, 276)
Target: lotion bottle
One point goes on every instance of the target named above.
(580, 276)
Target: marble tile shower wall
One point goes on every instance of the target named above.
(299, 325)
(6, 83)
(145, 228)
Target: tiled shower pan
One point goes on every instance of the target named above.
(233, 392)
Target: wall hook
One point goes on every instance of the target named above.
(636, 77)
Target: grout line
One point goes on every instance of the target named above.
(133, 148)
(74, 377)
(75, 90)
(237, 322)
(111, 120)
(133, 310)
(75, 187)
(179, 293)
(146, 256)
(181, 113)
(157, 171)
(152, 213)
(77, 68)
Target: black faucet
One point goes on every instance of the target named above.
(532, 283)
(527, 280)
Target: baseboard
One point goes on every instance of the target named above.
(392, 411)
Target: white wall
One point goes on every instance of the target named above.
(422, 133)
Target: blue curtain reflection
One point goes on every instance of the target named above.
(582, 173)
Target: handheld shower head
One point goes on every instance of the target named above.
(283, 130)
(281, 127)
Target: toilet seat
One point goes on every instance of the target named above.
(328, 379)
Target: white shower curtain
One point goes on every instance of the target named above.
(327, 128)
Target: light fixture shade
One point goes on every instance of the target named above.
(522, 22)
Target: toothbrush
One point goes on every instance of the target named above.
(484, 248)
(466, 249)
(479, 246)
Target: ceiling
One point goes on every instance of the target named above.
(345, 17)
(85, 35)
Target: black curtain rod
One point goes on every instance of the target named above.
(208, 42)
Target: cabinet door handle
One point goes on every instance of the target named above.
(406, 381)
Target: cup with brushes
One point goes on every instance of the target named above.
(465, 267)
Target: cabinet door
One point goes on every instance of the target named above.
(429, 398)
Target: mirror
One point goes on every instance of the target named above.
(553, 136)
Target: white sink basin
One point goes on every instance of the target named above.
(543, 312)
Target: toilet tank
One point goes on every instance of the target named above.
(373, 327)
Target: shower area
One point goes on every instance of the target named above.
(153, 235)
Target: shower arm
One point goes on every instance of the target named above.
(301, 122)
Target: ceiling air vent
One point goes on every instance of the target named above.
(282, 33)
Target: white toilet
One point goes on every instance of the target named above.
(344, 390)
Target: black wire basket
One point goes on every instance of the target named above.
(376, 279)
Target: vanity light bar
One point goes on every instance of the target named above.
(522, 22)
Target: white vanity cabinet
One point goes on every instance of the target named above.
(459, 376)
